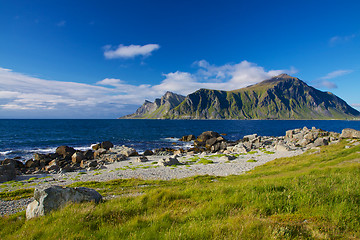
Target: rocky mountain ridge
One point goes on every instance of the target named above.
(281, 97)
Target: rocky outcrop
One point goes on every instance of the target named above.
(55, 197)
(350, 133)
(158, 108)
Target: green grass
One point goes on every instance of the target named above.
(16, 194)
(205, 161)
(311, 196)
(251, 160)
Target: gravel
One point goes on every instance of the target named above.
(143, 170)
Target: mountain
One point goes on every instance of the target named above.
(281, 97)
(158, 108)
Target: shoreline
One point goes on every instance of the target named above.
(211, 155)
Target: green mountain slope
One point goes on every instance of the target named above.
(281, 97)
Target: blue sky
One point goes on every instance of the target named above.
(102, 59)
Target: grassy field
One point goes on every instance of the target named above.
(312, 196)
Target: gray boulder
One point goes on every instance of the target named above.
(55, 197)
(250, 137)
(282, 147)
(126, 151)
(7, 172)
(168, 161)
(321, 142)
(141, 159)
(350, 133)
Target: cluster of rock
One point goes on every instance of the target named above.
(67, 159)
(297, 138)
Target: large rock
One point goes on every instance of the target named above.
(168, 161)
(77, 157)
(250, 137)
(321, 142)
(207, 135)
(187, 138)
(350, 133)
(106, 145)
(55, 197)
(7, 172)
(126, 151)
(65, 151)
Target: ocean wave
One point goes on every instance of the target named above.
(5, 152)
(171, 139)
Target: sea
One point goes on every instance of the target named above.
(22, 138)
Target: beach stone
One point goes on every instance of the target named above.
(117, 157)
(65, 151)
(168, 161)
(148, 153)
(187, 138)
(31, 163)
(53, 166)
(238, 148)
(350, 133)
(89, 154)
(106, 145)
(127, 151)
(249, 137)
(7, 172)
(321, 142)
(17, 164)
(207, 135)
(39, 156)
(77, 157)
(282, 147)
(227, 158)
(289, 134)
(51, 198)
(99, 152)
(141, 159)
(96, 146)
(210, 142)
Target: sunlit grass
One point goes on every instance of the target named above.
(311, 196)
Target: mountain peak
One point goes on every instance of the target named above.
(284, 76)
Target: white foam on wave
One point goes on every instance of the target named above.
(84, 148)
(43, 150)
(5, 152)
(171, 139)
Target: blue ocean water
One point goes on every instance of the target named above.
(25, 137)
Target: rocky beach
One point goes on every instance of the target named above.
(210, 154)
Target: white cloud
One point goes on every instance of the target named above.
(325, 84)
(335, 74)
(110, 97)
(341, 39)
(357, 105)
(129, 51)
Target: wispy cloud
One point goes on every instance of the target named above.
(336, 74)
(340, 39)
(357, 105)
(61, 23)
(324, 84)
(111, 96)
(130, 51)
